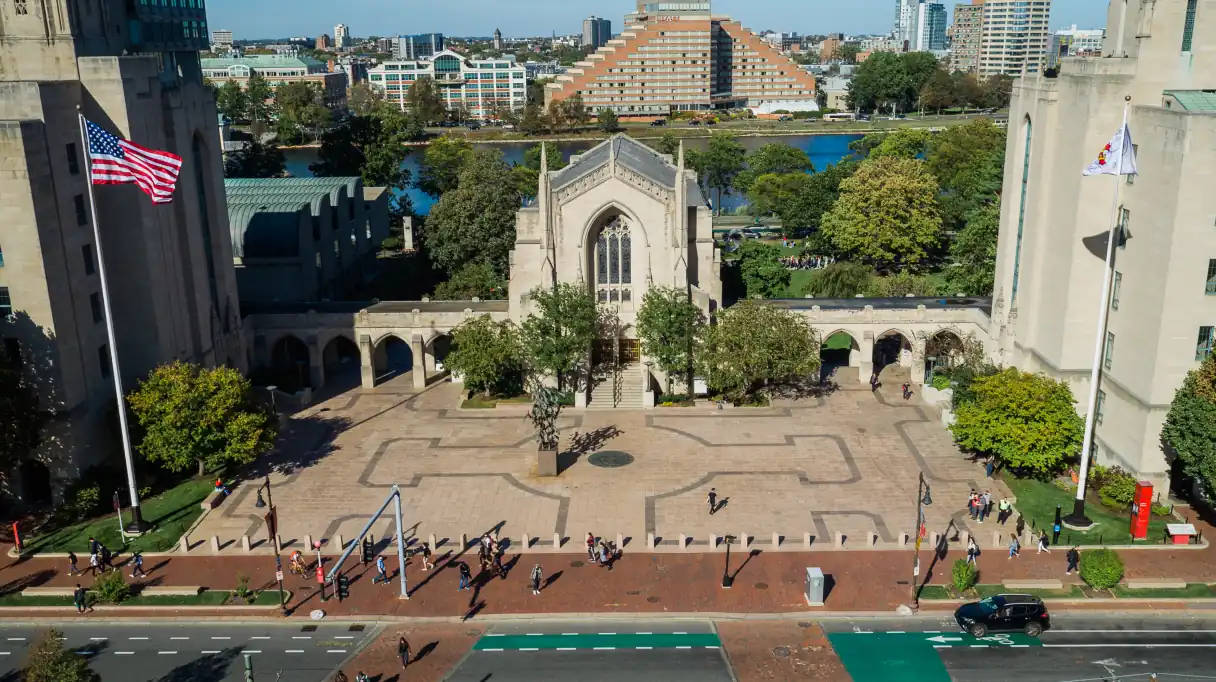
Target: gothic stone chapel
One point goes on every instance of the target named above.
(619, 219)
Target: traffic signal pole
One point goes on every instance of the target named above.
(393, 496)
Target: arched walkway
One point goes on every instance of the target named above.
(437, 352)
(289, 364)
(391, 358)
(838, 350)
(943, 350)
(340, 359)
(892, 353)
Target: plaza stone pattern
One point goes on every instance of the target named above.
(835, 464)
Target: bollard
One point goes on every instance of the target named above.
(341, 544)
(308, 540)
(744, 539)
(966, 535)
(807, 539)
(996, 539)
(464, 541)
(557, 541)
(839, 540)
(872, 538)
(245, 543)
(650, 541)
(432, 541)
(684, 541)
(523, 543)
(713, 542)
(184, 544)
(776, 540)
(620, 541)
(215, 544)
(903, 539)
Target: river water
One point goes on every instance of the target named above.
(823, 150)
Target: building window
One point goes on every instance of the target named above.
(95, 305)
(1207, 339)
(86, 254)
(1, 256)
(1114, 292)
(82, 216)
(103, 360)
(1017, 248)
(73, 160)
(19, 7)
(1210, 290)
(1099, 406)
(1188, 24)
(1125, 217)
(1131, 177)
(1110, 350)
(614, 271)
(6, 303)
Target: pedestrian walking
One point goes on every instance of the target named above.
(72, 570)
(712, 499)
(427, 564)
(106, 559)
(78, 598)
(341, 677)
(362, 677)
(497, 566)
(94, 564)
(1043, 543)
(605, 557)
(985, 505)
(590, 546)
(990, 466)
(381, 570)
(403, 651)
(94, 545)
(972, 502)
(1015, 547)
(973, 551)
(137, 560)
(535, 579)
(1074, 560)
(466, 575)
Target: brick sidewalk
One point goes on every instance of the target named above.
(766, 582)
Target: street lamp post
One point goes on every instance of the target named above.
(922, 500)
(272, 530)
(727, 581)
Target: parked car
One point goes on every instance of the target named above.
(473, 125)
(658, 123)
(695, 122)
(1004, 613)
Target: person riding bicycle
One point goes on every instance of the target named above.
(297, 562)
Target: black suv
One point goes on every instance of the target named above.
(1004, 613)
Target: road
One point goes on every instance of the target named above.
(604, 650)
(1077, 647)
(205, 652)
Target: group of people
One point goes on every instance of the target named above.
(489, 554)
(979, 506)
(101, 559)
(602, 552)
(807, 262)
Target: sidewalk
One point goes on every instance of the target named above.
(765, 582)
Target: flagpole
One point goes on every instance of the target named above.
(137, 524)
(1077, 518)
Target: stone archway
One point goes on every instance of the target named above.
(943, 350)
(290, 362)
(340, 361)
(838, 350)
(892, 354)
(391, 358)
(437, 350)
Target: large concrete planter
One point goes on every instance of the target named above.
(546, 462)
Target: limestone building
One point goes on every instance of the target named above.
(132, 68)
(1163, 303)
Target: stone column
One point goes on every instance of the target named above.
(316, 364)
(918, 361)
(418, 351)
(865, 366)
(367, 370)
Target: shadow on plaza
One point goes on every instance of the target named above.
(584, 444)
(302, 443)
(205, 667)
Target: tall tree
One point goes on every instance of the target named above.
(424, 101)
(772, 158)
(907, 143)
(717, 166)
(920, 67)
(557, 338)
(533, 121)
(476, 221)
(754, 345)
(441, 163)
(668, 144)
(805, 207)
(879, 81)
(49, 661)
(847, 52)
(574, 111)
(886, 215)
(372, 148)
(527, 174)
(254, 161)
(969, 161)
(668, 324)
(1028, 421)
(840, 280)
(488, 355)
(472, 280)
(973, 252)
(773, 193)
(303, 105)
(1189, 433)
(259, 106)
(762, 271)
(938, 92)
(231, 101)
(997, 91)
(190, 414)
(608, 121)
(362, 99)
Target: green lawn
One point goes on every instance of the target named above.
(1191, 591)
(207, 598)
(171, 512)
(1037, 502)
(1069, 592)
(934, 592)
(477, 401)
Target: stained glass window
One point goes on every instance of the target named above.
(614, 269)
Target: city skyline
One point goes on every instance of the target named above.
(541, 17)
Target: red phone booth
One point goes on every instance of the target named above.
(1142, 510)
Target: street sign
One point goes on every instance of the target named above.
(278, 575)
(916, 567)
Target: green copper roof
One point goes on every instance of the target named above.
(1195, 100)
(262, 61)
(264, 214)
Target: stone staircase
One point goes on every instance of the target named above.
(629, 394)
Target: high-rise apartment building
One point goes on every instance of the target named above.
(1162, 305)
(677, 56)
(324, 42)
(596, 32)
(1013, 37)
(419, 46)
(965, 36)
(133, 68)
(480, 87)
(905, 32)
(221, 38)
(930, 27)
(341, 36)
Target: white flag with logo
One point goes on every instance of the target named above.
(1118, 157)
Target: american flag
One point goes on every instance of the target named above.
(114, 161)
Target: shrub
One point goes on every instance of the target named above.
(964, 575)
(1162, 509)
(242, 590)
(111, 588)
(941, 382)
(1118, 489)
(86, 501)
(1101, 569)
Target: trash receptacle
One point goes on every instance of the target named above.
(814, 586)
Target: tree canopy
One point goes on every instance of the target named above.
(772, 158)
(49, 661)
(255, 160)
(439, 171)
(754, 345)
(191, 414)
(20, 418)
(527, 174)
(301, 106)
(259, 103)
(607, 120)
(813, 197)
(231, 101)
(372, 148)
(761, 269)
(557, 338)
(488, 355)
(472, 280)
(719, 164)
(1189, 432)
(1028, 421)
(886, 214)
(475, 222)
(973, 253)
(668, 323)
(424, 101)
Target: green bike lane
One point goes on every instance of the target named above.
(597, 641)
(881, 656)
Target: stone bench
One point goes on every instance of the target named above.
(150, 591)
(1041, 584)
(48, 591)
(1156, 584)
(213, 500)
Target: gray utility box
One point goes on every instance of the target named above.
(814, 586)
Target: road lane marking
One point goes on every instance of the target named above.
(533, 634)
(711, 647)
(897, 632)
(1132, 646)
(603, 648)
(643, 633)
(528, 649)
(293, 651)
(124, 653)
(679, 633)
(605, 633)
(491, 649)
(98, 639)
(564, 634)
(252, 651)
(221, 637)
(301, 636)
(683, 647)
(265, 637)
(210, 651)
(1055, 631)
(643, 648)
(179, 638)
(495, 634)
(564, 648)
(941, 646)
(335, 651)
(352, 636)
(137, 638)
(979, 646)
(15, 639)
(167, 653)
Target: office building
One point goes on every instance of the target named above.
(341, 36)
(1074, 42)
(480, 87)
(172, 291)
(905, 31)
(1162, 307)
(420, 46)
(965, 36)
(930, 27)
(829, 46)
(386, 45)
(678, 56)
(324, 42)
(221, 39)
(279, 70)
(1013, 38)
(596, 32)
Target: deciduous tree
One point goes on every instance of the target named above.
(557, 337)
(362, 99)
(191, 414)
(816, 195)
(608, 121)
(49, 661)
(717, 166)
(840, 280)
(259, 107)
(488, 355)
(1189, 433)
(254, 161)
(439, 171)
(527, 174)
(476, 221)
(1028, 421)
(472, 280)
(231, 101)
(775, 158)
(973, 253)
(423, 101)
(754, 345)
(668, 324)
(372, 148)
(761, 270)
(20, 418)
(938, 92)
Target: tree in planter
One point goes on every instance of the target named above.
(1189, 433)
(49, 661)
(110, 588)
(668, 323)
(488, 355)
(557, 338)
(191, 414)
(754, 345)
(964, 575)
(1026, 420)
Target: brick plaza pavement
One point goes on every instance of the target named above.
(843, 463)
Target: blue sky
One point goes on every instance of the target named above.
(281, 18)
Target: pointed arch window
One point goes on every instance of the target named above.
(613, 265)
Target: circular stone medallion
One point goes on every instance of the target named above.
(610, 459)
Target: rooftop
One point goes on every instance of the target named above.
(632, 154)
(264, 213)
(1194, 100)
(263, 61)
